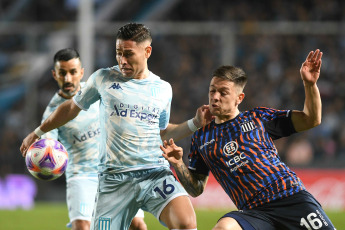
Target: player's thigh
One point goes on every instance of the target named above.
(163, 193)
(227, 223)
(179, 212)
(80, 196)
(299, 211)
(115, 205)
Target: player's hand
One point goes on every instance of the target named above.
(310, 69)
(27, 142)
(172, 152)
(203, 116)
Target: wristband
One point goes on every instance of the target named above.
(191, 125)
(39, 132)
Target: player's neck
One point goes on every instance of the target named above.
(224, 118)
(143, 74)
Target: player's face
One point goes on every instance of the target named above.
(132, 57)
(68, 75)
(224, 98)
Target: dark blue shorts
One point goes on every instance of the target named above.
(299, 211)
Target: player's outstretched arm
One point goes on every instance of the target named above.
(310, 73)
(179, 131)
(64, 113)
(193, 183)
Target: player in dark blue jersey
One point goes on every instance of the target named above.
(237, 147)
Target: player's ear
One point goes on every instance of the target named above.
(240, 98)
(54, 75)
(81, 73)
(148, 51)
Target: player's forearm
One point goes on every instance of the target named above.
(312, 106)
(64, 113)
(179, 131)
(193, 186)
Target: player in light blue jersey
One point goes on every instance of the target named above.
(81, 137)
(134, 114)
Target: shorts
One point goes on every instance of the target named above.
(121, 195)
(81, 193)
(299, 211)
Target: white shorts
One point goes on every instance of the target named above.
(81, 193)
(121, 195)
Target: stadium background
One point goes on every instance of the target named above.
(268, 39)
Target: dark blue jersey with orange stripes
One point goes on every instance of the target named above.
(241, 155)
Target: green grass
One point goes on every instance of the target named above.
(53, 216)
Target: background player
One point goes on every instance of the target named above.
(237, 147)
(80, 136)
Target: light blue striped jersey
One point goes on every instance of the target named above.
(80, 137)
(132, 113)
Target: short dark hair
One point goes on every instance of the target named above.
(231, 73)
(66, 55)
(134, 32)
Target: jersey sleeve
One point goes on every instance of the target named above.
(165, 114)
(277, 123)
(196, 162)
(88, 94)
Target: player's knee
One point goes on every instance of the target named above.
(138, 224)
(227, 224)
(81, 225)
(188, 222)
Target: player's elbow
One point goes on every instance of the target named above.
(317, 122)
(314, 122)
(195, 192)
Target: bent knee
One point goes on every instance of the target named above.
(81, 225)
(227, 223)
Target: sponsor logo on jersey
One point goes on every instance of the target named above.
(86, 135)
(247, 126)
(115, 86)
(143, 113)
(207, 143)
(237, 160)
(230, 148)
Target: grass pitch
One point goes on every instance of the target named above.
(53, 216)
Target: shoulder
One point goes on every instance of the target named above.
(204, 130)
(156, 78)
(271, 113)
(100, 74)
(56, 100)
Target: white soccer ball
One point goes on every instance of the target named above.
(46, 159)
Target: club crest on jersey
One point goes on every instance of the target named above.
(115, 86)
(247, 126)
(155, 92)
(230, 148)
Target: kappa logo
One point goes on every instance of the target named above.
(115, 86)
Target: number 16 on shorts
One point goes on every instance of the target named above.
(314, 220)
(165, 190)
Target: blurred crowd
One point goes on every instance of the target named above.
(271, 62)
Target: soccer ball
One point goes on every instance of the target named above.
(46, 159)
